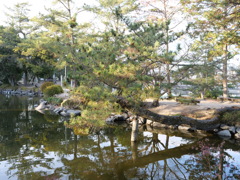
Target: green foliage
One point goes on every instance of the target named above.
(213, 93)
(231, 118)
(52, 90)
(187, 101)
(11, 71)
(97, 93)
(75, 102)
(45, 85)
(93, 115)
(54, 100)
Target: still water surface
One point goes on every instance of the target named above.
(36, 146)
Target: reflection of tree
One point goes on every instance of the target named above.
(26, 136)
(33, 143)
(211, 162)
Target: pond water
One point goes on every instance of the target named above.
(37, 146)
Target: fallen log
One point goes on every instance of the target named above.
(208, 125)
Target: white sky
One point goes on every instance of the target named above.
(36, 6)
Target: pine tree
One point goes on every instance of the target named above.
(218, 21)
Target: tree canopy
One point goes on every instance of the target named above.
(134, 49)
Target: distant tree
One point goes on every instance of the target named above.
(19, 20)
(37, 55)
(218, 22)
(10, 68)
(167, 14)
(63, 33)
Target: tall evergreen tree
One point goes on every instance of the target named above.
(218, 21)
(62, 27)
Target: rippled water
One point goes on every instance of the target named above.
(39, 146)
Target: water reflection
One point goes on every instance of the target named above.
(37, 146)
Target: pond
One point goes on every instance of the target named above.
(39, 146)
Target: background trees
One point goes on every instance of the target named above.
(216, 22)
(132, 49)
(10, 68)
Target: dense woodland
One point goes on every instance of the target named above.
(131, 49)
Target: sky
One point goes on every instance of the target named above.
(36, 6)
(39, 6)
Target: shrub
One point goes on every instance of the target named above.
(231, 118)
(214, 93)
(45, 85)
(75, 102)
(54, 100)
(52, 90)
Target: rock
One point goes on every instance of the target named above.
(232, 129)
(142, 120)
(73, 113)
(224, 127)
(63, 113)
(41, 106)
(125, 115)
(225, 133)
(192, 129)
(149, 122)
(116, 118)
(132, 117)
(159, 125)
(237, 135)
(58, 110)
(237, 129)
(184, 127)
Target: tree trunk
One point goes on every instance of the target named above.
(209, 124)
(11, 81)
(169, 91)
(25, 78)
(225, 73)
(134, 134)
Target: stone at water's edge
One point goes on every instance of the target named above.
(184, 127)
(73, 113)
(58, 110)
(70, 113)
(160, 125)
(149, 122)
(238, 130)
(115, 118)
(224, 127)
(232, 129)
(41, 106)
(237, 135)
(225, 133)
